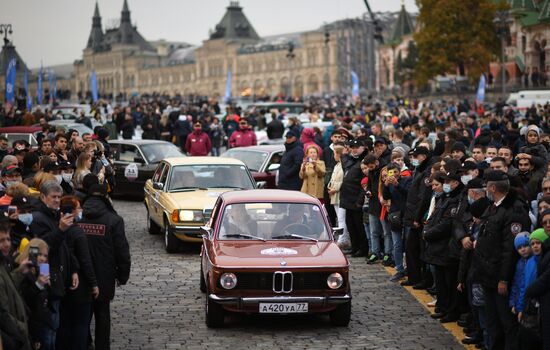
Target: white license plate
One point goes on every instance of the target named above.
(283, 308)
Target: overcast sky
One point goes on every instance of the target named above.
(56, 31)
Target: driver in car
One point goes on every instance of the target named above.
(296, 222)
(238, 222)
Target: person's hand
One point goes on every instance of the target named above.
(416, 224)
(74, 281)
(513, 310)
(24, 266)
(467, 243)
(43, 280)
(95, 292)
(520, 316)
(14, 216)
(460, 287)
(36, 346)
(66, 221)
(523, 156)
(503, 288)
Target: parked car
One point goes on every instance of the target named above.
(27, 133)
(181, 194)
(262, 161)
(71, 124)
(135, 162)
(272, 252)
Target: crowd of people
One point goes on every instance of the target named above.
(456, 198)
(63, 245)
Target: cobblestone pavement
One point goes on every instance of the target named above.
(162, 308)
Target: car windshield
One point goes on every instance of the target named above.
(155, 152)
(189, 177)
(273, 221)
(252, 159)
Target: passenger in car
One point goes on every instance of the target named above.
(238, 222)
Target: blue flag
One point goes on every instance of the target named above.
(10, 81)
(228, 86)
(481, 90)
(39, 87)
(93, 85)
(354, 85)
(54, 86)
(50, 84)
(27, 93)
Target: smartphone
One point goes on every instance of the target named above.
(33, 254)
(44, 269)
(12, 210)
(308, 159)
(66, 209)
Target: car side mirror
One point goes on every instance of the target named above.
(260, 184)
(207, 231)
(158, 185)
(273, 167)
(139, 160)
(337, 231)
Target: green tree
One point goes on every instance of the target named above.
(455, 35)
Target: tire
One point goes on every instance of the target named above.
(214, 314)
(152, 227)
(202, 282)
(341, 316)
(171, 242)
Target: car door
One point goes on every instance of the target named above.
(127, 173)
(270, 176)
(157, 193)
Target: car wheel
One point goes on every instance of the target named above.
(341, 316)
(171, 242)
(152, 227)
(214, 314)
(202, 282)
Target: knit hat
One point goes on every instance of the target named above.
(521, 240)
(539, 235)
(533, 128)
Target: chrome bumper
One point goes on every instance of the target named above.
(313, 301)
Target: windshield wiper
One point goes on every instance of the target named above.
(188, 188)
(242, 235)
(292, 235)
(225, 186)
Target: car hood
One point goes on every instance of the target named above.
(290, 254)
(198, 199)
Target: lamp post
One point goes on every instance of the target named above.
(327, 70)
(290, 55)
(502, 22)
(6, 30)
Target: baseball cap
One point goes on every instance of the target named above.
(10, 169)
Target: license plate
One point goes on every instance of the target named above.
(283, 308)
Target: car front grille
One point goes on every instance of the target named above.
(280, 282)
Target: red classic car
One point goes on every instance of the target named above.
(272, 251)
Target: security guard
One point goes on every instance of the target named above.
(495, 258)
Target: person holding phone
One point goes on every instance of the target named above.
(312, 173)
(36, 292)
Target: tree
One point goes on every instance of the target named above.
(455, 35)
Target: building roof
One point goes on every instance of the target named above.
(95, 40)
(545, 11)
(8, 52)
(183, 55)
(272, 43)
(402, 27)
(234, 25)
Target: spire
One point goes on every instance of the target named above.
(95, 40)
(125, 14)
(403, 25)
(234, 25)
(126, 30)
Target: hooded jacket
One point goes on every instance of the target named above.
(198, 144)
(243, 138)
(107, 242)
(307, 138)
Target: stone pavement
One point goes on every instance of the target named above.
(162, 308)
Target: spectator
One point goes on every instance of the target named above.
(333, 189)
(217, 136)
(243, 137)
(198, 143)
(312, 173)
(291, 162)
(275, 128)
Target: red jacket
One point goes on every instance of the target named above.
(243, 138)
(198, 144)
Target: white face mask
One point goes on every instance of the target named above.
(58, 178)
(466, 178)
(67, 177)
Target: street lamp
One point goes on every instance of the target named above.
(6, 29)
(327, 71)
(290, 55)
(502, 22)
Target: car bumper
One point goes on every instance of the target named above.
(187, 233)
(251, 304)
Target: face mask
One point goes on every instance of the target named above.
(413, 134)
(465, 179)
(26, 219)
(58, 178)
(79, 216)
(67, 177)
(470, 200)
(488, 159)
(446, 188)
(415, 162)
(490, 196)
(10, 183)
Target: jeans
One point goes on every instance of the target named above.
(216, 151)
(482, 318)
(379, 228)
(46, 336)
(397, 239)
(367, 234)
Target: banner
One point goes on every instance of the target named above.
(481, 90)
(354, 85)
(50, 85)
(54, 86)
(10, 82)
(39, 87)
(228, 86)
(27, 93)
(93, 85)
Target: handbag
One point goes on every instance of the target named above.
(395, 220)
(531, 320)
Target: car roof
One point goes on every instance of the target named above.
(277, 104)
(202, 160)
(20, 129)
(263, 148)
(265, 195)
(138, 142)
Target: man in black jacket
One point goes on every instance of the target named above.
(275, 128)
(289, 171)
(494, 256)
(349, 198)
(110, 255)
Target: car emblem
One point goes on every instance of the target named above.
(283, 263)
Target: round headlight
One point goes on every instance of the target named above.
(228, 280)
(335, 280)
